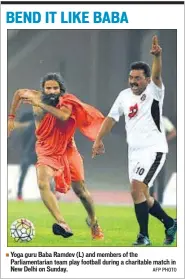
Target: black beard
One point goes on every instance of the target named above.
(51, 99)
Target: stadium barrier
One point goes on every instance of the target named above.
(31, 191)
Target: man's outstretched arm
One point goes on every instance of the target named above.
(16, 101)
(107, 125)
(156, 51)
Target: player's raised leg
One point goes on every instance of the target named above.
(157, 211)
(44, 176)
(83, 194)
(80, 189)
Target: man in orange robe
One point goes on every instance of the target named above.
(57, 116)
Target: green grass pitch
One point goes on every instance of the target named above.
(118, 223)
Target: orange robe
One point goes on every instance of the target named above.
(54, 136)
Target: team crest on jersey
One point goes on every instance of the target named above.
(143, 97)
(133, 111)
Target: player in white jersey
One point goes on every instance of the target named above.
(141, 104)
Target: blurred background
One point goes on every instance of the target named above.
(95, 66)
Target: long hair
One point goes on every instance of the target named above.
(54, 76)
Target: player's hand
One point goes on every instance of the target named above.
(11, 126)
(30, 97)
(98, 148)
(156, 49)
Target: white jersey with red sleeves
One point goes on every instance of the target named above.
(143, 117)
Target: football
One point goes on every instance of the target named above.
(22, 230)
